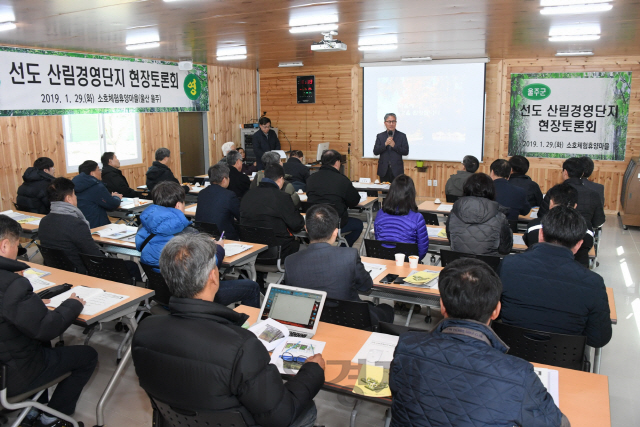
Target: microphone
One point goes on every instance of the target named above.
(390, 133)
(285, 135)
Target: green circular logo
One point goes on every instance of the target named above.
(192, 86)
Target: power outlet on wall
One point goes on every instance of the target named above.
(435, 182)
(429, 183)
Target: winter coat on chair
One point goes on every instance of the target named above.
(32, 194)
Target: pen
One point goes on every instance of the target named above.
(222, 236)
(312, 350)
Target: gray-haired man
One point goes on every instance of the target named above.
(201, 357)
(390, 145)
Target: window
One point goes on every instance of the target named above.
(87, 136)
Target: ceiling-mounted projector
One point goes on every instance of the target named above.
(328, 43)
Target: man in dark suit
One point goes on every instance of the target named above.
(336, 270)
(587, 166)
(297, 170)
(239, 183)
(264, 140)
(589, 203)
(390, 145)
(329, 186)
(508, 195)
(218, 205)
(267, 207)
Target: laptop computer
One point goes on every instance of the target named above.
(299, 309)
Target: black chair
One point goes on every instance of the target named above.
(188, 179)
(447, 256)
(165, 415)
(156, 282)
(430, 218)
(397, 330)
(28, 400)
(451, 198)
(114, 269)
(352, 314)
(387, 250)
(269, 261)
(564, 351)
(56, 258)
(208, 227)
(513, 225)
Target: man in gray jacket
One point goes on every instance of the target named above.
(454, 185)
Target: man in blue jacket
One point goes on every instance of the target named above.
(164, 220)
(94, 200)
(218, 205)
(459, 375)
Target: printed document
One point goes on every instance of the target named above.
(549, 378)
(445, 208)
(231, 249)
(22, 218)
(37, 283)
(373, 381)
(374, 270)
(97, 299)
(518, 240)
(270, 332)
(291, 353)
(117, 231)
(377, 350)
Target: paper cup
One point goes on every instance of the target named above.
(136, 201)
(399, 260)
(413, 261)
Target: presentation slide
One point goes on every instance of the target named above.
(440, 107)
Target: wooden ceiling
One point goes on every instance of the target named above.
(195, 29)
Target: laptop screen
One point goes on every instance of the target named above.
(292, 307)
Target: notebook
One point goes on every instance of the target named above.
(298, 309)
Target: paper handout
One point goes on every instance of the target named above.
(117, 231)
(422, 278)
(97, 299)
(289, 356)
(445, 208)
(373, 381)
(518, 240)
(374, 270)
(377, 350)
(22, 218)
(550, 379)
(231, 249)
(270, 333)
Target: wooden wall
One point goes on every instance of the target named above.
(24, 139)
(233, 97)
(337, 118)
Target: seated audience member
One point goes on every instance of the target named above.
(113, 178)
(226, 147)
(247, 168)
(329, 186)
(336, 270)
(399, 220)
(589, 202)
(201, 358)
(159, 171)
(94, 200)
(298, 171)
(267, 206)
(547, 290)
(239, 183)
(561, 195)
(519, 178)
(477, 223)
(453, 187)
(272, 158)
(459, 374)
(26, 328)
(65, 227)
(218, 205)
(587, 170)
(508, 195)
(264, 140)
(164, 220)
(32, 194)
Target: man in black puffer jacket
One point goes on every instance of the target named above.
(26, 328)
(113, 178)
(159, 171)
(200, 357)
(32, 194)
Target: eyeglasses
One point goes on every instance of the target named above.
(288, 357)
(391, 121)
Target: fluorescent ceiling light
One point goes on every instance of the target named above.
(575, 30)
(575, 53)
(231, 57)
(576, 9)
(570, 2)
(138, 46)
(231, 51)
(4, 26)
(416, 58)
(378, 40)
(313, 20)
(584, 38)
(291, 64)
(372, 47)
(319, 28)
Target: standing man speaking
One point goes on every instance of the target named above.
(390, 145)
